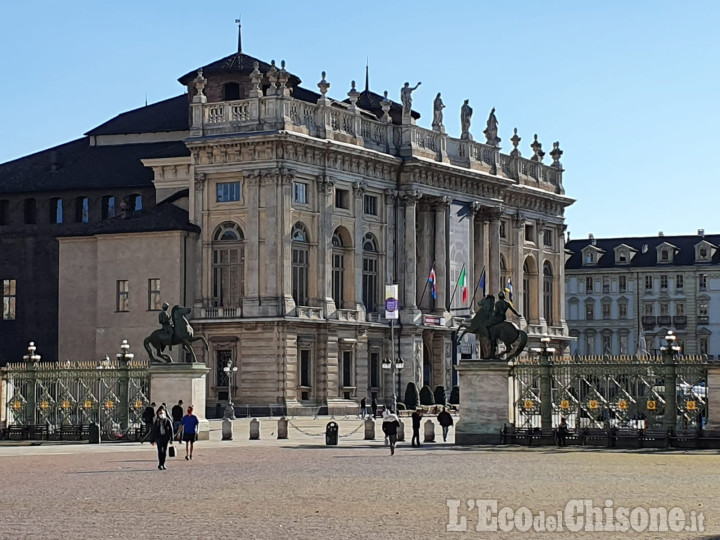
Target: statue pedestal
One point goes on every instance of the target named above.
(484, 401)
(172, 382)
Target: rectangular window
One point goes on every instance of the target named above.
(606, 310)
(702, 281)
(338, 280)
(589, 311)
(529, 233)
(9, 299)
(648, 283)
(371, 205)
(622, 284)
(679, 309)
(703, 345)
(663, 282)
(703, 311)
(606, 284)
(547, 237)
(154, 303)
(503, 233)
(228, 192)
(607, 343)
(622, 310)
(369, 284)
(300, 193)
(664, 309)
(121, 295)
(347, 368)
(679, 282)
(305, 369)
(4, 212)
(374, 370)
(649, 309)
(342, 198)
(623, 344)
(589, 285)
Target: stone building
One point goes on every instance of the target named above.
(624, 294)
(279, 214)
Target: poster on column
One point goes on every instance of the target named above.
(391, 302)
(460, 268)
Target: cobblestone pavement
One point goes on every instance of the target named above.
(300, 488)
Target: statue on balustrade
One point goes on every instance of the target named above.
(438, 107)
(176, 330)
(406, 98)
(465, 117)
(490, 326)
(491, 130)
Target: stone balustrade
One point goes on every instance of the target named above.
(339, 122)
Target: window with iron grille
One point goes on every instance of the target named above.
(122, 291)
(9, 298)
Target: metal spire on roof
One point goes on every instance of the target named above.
(367, 75)
(239, 23)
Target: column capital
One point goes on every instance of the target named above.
(487, 213)
(359, 189)
(411, 197)
(325, 184)
(440, 203)
(390, 196)
(200, 179)
(286, 175)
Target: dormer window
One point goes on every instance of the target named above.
(589, 257)
(703, 253)
(622, 257)
(231, 91)
(665, 255)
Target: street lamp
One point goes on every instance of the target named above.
(545, 353)
(230, 370)
(124, 355)
(394, 365)
(31, 356)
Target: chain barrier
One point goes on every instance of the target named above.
(323, 433)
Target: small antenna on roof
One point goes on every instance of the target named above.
(367, 74)
(239, 23)
(146, 99)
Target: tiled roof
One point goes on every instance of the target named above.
(646, 253)
(166, 216)
(77, 165)
(168, 115)
(235, 63)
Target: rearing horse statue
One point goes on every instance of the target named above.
(182, 335)
(505, 331)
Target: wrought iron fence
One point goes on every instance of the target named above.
(611, 391)
(111, 393)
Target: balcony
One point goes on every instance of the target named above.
(220, 313)
(350, 315)
(664, 320)
(703, 319)
(649, 322)
(307, 312)
(680, 321)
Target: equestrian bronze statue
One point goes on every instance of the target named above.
(176, 330)
(490, 327)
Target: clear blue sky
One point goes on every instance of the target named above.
(628, 88)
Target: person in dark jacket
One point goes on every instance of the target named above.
(390, 425)
(363, 408)
(373, 407)
(148, 416)
(562, 432)
(445, 420)
(162, 434)
(416, 421)
(177, 416)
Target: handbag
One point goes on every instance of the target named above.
(171, 450)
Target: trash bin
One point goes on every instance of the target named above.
(94, 433)
(331, 434)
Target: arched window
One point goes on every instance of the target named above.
(228, 261)
(231, 91)
(300, 264)
(338, 269)
(530, 294)
(108, 207)
(56, 210)
(548, 294)
(526, 291)
(370, 273)
(82, 210)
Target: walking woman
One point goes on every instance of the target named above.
(190, 424)
(162, 434)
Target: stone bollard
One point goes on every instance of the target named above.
(227, 429)
(254, 429)
(401, 431)
(429, 431)
(282, 428)
(369, 429)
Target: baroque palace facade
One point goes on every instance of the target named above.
(279, 214)
(624, 294)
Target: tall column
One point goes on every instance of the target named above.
(493, 271)
(199, 256)
(270, 281)
(390, 235)
(409, 258)
(359, 192)
(285, 197)
(325, 185)
(539, 232)
(251, 296)
(517, 264)
(441, 207)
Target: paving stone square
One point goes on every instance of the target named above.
(301, 488)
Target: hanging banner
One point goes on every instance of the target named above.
(391, 302)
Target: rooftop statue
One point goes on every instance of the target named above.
(406, 98)
(465, 117)
(491, 130)
(176, 330)
(490, 326)
(438, 107)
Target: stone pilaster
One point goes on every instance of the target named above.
(390, 235)
(200, 254)
(285, 188)
(271, 291)
(251, 295)
(493, 271)
(325, 186)
(409, 312)
(441, 207)
(539, 235)
(516, 268)
(359, 232)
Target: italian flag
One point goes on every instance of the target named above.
(462, 282)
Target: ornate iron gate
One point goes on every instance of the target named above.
(109, 393)
(604, 391)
